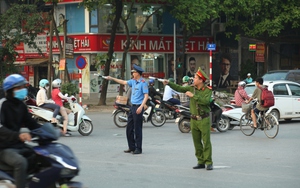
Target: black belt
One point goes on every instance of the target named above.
(136, 105)
(199, 117)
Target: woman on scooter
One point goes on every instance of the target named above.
(57, 97)
(42, 99)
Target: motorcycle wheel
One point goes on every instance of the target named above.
(223, 124)
(121, 123)
(182, 127)
(158, 119)
(85, 127)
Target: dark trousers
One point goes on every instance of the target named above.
(12, 158)
(134, 129)
(174, 101)
(52, 106)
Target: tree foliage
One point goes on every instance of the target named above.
(263, 19)
(195, 16)
(19, 24)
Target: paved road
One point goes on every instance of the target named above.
(168, 158)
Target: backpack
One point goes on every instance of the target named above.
(266, 98)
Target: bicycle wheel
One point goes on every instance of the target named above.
(271, 126)
(245, 125)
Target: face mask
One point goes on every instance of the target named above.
(20, 94)
(47, 87)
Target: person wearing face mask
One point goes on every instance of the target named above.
(42, 99)
(14, 115)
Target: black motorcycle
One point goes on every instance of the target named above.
(168, 108)
(184, 118)
(151, 113)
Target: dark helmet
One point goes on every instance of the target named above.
(185, 79)
(171, 80)
(12, 81)
(151, 81)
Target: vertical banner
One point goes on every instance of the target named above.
(260, 52)
(62, 64)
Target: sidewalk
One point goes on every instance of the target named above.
(92, 104)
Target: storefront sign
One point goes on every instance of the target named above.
(62, 64)
(70, 48)
(100, 43)
(260, 52)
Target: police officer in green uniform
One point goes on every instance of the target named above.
(139, 97)
(200, 98)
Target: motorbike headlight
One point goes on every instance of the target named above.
(68, 172)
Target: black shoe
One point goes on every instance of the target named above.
(199, 166)
(128, 151)
(137, 151)
(209, 167)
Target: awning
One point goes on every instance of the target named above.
(32, 62)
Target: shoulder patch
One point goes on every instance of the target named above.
(143, 80)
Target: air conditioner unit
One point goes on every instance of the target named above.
(218, 27)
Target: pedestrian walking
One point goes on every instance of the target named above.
(139, 97)
(200, 98)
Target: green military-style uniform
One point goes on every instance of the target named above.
(200, 107)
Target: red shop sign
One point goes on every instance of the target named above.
(92, 43)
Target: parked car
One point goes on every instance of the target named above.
(292, 75)
(287, 98)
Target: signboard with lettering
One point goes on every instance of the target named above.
(92, 43)
(69, 48)
(260, 52)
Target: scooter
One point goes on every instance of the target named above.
(152, 114)
(50, 164)
(78, 121)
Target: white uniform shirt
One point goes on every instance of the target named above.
(168, 93)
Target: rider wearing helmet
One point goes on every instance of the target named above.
(57, 97)
(14, 115)
(248, 80)
(240, 94)
(184, 99)
(185, 80)
(152, 91)
(42, 99)
(168, 94)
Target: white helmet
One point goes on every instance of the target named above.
(248, 74)
(242, 84)
(56, 83)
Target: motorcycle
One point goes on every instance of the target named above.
(169, 109)
(184, 118)
(50, 164)
(78, 121)
(152, 114)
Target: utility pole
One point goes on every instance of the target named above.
(50, 75)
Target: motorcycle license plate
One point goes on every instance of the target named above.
(177, 120)
(157, 106)
(113, 111)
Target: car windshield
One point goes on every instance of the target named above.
(272, 76)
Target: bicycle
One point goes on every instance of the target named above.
(266, 122)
